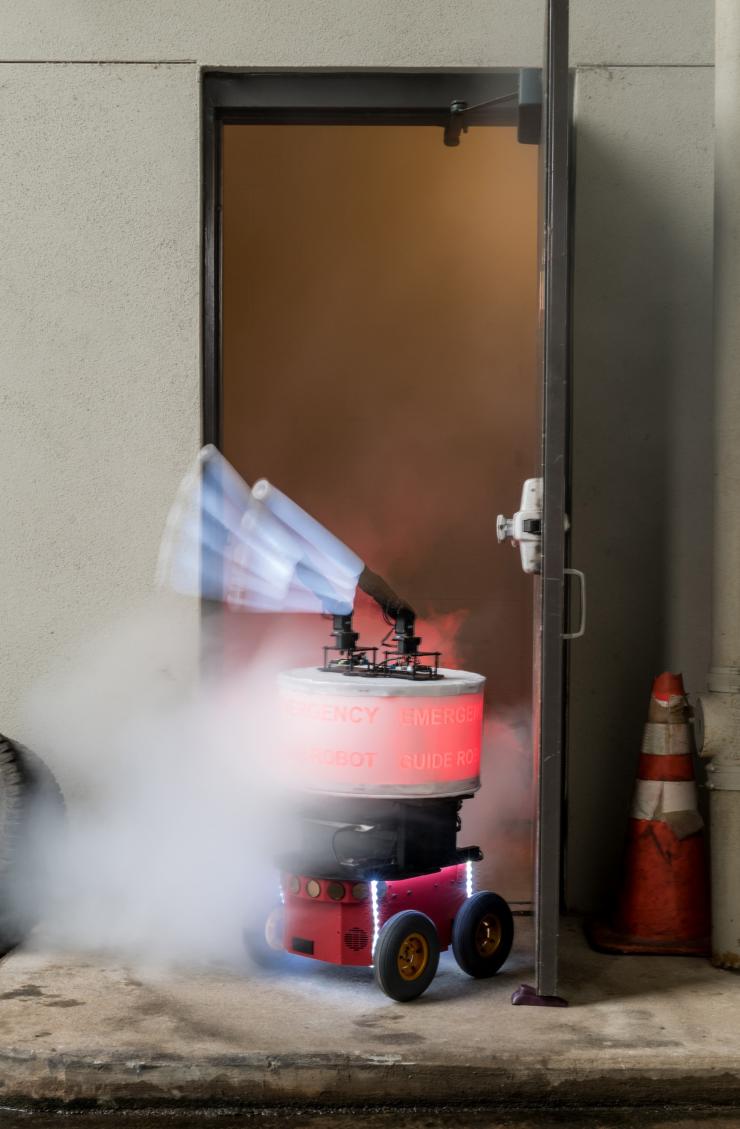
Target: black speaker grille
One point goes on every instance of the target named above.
(356, 939)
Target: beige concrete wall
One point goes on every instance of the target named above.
(99, 365)
(99, 334)
(642, 439)
(352, 33)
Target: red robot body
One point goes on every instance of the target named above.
(398, 927)
(340, 922)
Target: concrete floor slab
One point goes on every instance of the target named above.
(639, 1030)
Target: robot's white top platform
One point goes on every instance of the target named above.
(311, 680)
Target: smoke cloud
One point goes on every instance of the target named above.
(175, 809)
(500, 817)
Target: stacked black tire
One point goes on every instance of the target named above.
(31, 814)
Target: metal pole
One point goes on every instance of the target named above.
(555, 429)
(718, 713)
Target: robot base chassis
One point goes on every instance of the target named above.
(397, 926)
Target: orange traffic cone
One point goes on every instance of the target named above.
(663, 906)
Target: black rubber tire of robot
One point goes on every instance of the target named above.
(392, 934)
(464, 929)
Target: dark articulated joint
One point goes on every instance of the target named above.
(345, 638)
(379, 590)
(402, 656)
(407, 643)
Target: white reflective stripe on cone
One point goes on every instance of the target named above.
(672, 702)
(654, 798)
(679, 795)
(646, 799)
(660, 740)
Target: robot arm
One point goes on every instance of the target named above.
(390, 604)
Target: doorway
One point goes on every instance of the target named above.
(377, 360)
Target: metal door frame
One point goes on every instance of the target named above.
(550, 663)
(424, 98)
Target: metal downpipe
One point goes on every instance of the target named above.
(718, 711)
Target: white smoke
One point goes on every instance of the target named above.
(165, 747)
(168, 762)
(175, 812)
(500, 817)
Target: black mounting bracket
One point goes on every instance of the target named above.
(528, 97)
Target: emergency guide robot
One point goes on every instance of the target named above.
(382, 745)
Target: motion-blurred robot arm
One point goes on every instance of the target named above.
(257, 550)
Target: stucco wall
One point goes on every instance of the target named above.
(99, 366)
(642, 466)
(352, 33)
(99, 339)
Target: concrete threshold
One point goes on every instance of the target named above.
(83, 1031)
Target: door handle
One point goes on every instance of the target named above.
(582, 586)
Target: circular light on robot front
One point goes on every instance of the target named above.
(313, 888)
(294, 885)
(360, 890)
(335, 890)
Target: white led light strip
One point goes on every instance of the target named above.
(376, 913)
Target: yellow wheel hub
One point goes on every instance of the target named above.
(488, 935)
(413, 956)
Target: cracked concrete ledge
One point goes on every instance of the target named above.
(345, 1080)
(87, 1032)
